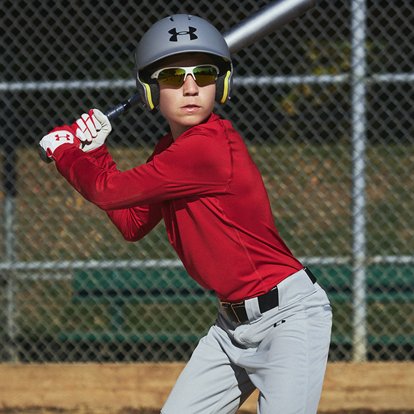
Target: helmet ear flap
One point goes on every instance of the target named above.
(150, 93)
(223, 86)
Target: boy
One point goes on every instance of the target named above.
(274, 321)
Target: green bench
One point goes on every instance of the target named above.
(389, 301)
(160, 291)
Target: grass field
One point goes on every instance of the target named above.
(309, 188)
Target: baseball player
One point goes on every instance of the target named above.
(272, 331)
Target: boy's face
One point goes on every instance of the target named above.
(190, 104)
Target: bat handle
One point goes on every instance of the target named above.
(122, 107)
(112, 114)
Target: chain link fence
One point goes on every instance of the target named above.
(326, 107)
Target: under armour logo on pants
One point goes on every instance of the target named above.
(191, 32)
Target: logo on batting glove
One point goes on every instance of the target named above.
(64, 136)
(56, 138)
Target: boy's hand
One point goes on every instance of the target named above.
(92, 129)
(57, 137)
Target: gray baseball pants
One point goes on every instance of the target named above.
(282, 352)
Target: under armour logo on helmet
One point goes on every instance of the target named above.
(191, 32)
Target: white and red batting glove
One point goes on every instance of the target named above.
(92, 129)
(57, 137)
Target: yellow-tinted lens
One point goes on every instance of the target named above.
(174, 77)
(205, 75)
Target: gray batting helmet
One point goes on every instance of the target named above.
(181, 33)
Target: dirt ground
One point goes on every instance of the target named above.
(141, 388)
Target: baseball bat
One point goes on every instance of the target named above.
(255, 27)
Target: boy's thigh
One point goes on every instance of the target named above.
(209, 383)
(294, 357)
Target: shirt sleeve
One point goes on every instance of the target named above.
(194, 164)
(135, 222)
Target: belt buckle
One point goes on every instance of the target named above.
(231, 306)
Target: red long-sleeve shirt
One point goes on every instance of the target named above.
(212, 199)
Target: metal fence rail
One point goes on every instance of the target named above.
(318, 71)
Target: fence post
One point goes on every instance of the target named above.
(358, 77)
(10, 191)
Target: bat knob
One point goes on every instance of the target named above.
(43, 156)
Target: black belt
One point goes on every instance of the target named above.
(236, 311)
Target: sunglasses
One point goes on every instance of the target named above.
(174, 77)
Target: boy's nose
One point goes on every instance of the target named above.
(190, 86)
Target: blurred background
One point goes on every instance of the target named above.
(326, 108)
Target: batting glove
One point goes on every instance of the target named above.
(59, 136)
(92, 129)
